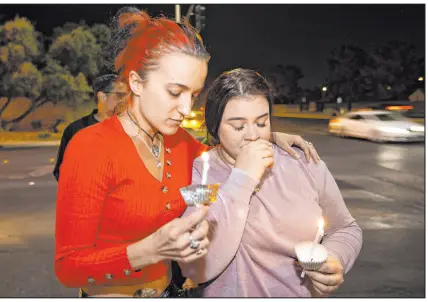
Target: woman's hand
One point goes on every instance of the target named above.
(177, 240)
(255, 158)
(286, 141)
(327, 278)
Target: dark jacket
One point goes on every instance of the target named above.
(69, 132)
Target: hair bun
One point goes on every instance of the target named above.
(129, 16)
(140, 19)
(127, 20)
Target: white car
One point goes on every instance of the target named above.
(377, 126)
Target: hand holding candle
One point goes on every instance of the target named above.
(201, 194)
(315, 244)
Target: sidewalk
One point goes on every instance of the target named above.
(305, 115)
(29, 139)
(322, 115)
(28, 144)
(293, 111)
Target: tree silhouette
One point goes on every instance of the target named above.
(345, 77)
(285, 83)
(27, 71)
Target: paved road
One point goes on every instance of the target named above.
(383, 186)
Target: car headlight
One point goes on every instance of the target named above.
(393, 130)
(417, 128)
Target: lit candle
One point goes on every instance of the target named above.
(205, 158)
(320, 232)
(318, 237)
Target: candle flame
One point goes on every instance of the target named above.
(321, 223)
(205, 156)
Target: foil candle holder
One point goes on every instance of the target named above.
(203, 194)
(197, 195)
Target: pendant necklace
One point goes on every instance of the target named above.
(154, 149)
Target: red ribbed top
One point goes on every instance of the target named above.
(107, 199)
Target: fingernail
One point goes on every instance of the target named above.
(296, 155)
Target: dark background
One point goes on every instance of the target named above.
(259, 36)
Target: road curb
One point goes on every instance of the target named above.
(316, 116)
(28, 144)
(324, 116)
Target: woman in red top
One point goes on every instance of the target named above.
(117, 225)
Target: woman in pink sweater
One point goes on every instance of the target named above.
(268, 202)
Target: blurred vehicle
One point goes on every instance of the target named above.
(408, 109)
(393, 107)
(400, 108)
(194, 121)
(418, 110)
(194, 124)
(377, 126)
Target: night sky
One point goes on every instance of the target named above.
(260, 36)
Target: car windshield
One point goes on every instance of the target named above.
(387, 117)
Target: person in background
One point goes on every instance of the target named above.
(267, 203)
(109, 93)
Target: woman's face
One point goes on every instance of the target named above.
(167, 94)
(245, 119)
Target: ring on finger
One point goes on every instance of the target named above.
(194, 244)
(309, 143)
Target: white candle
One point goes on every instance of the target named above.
(318, 237)
(320, 232)
(205, 158)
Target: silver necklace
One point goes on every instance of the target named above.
(154, 149)
(155, 155)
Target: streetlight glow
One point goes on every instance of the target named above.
(420, 79)
(324, 88)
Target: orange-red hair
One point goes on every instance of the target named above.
(150, 38)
